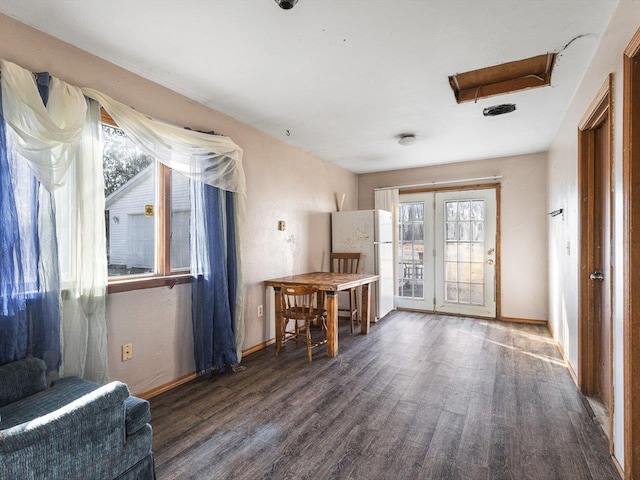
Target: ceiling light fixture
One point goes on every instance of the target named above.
(407, 139)
(286, 4)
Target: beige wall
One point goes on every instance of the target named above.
(523, 221)
(284, 183)
(563, 268)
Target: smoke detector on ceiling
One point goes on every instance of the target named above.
(499, 109)
(286, 4)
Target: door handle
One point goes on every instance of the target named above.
(490, 261)
(597, 276)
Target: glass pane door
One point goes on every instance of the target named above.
(447, 252)
(465, 252)
(415, 252)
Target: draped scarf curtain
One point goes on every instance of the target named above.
(60, 147)
(211, 159)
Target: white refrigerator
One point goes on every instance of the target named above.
(369, 232)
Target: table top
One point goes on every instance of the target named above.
(324, 280)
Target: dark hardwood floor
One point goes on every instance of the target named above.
(420, 397)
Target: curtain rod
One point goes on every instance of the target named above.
(443, 182)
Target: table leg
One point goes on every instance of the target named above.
(321, 299)
(366, 309)
(278, 316)
(332, 324)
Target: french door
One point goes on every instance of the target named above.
(447, 252)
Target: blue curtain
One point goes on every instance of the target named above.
(29, 278)
(214, 275)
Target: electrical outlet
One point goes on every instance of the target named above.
(127, 351)
(260, 310)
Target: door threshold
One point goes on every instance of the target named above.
(600, 413)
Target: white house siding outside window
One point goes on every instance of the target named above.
(134, 219)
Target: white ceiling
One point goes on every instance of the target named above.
(345, 77)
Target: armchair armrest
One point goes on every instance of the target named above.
(67, 442)
(87, 412)
(21, 379)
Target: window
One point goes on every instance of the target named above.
(464, 251)
(411, 251)
(147, 211)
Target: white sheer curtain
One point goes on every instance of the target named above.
(83, 257)
(388, 199)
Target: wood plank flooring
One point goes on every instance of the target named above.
(421, 397)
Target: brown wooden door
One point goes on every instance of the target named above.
(596, 270)
(602, 237)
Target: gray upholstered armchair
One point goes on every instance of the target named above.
(74, 429)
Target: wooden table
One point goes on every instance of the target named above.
(330, 284)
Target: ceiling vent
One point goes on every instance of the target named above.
(407, 139)
(505, 78)
(496, 110)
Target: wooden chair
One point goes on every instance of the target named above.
(348, 263)
(299, 305)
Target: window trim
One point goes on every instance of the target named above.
(137, 283)
(164, 277)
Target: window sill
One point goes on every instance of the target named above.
(118, 286)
